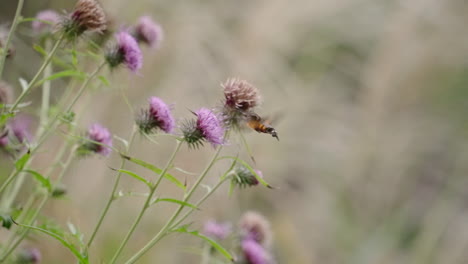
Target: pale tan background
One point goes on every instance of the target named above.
(372, 162)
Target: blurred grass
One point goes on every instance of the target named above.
(372, 162)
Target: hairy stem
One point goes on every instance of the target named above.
(147, 203)
(112, 195)
(165, 228)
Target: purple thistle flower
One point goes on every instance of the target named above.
(130, 50)
(216, 230)
(158, 115)
(255, 253)
(210, 126)
(100, 134)
(162, 114)
(126, 51)
(149, 32)
(17, 131)
(46, 15)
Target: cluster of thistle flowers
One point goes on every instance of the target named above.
(88, 16)
(254, 237)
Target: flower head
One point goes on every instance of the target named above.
(256, 227)
(29, 256)
(158, 115)
(98, 140)
(125, 51)
(244, 177)
(216, 230)
(6, 93)
(254, 253)
(207, 127)
(16, 132)
(148, 31)
(240, 99)
(47, 15)
(240, 94)
(87, 16)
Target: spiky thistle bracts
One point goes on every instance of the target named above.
(125, 51)
(157, 116)
(87, 15)
(206, 127)
(243, 177)
(149, 32)
(98, 140)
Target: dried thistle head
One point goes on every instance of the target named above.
(256, 227)
(88, 15)
(6, 93)
(240, 94)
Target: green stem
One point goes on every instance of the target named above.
(165, 228)
(42, 136)
(147, 203)
(10, 36)
(112, 195)
(34, 80)
(45, 95)
(44, 200)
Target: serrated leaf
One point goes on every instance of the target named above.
(155, 170)
(76, 252)
(260, 179)
(21, 162)
(170, 200)
(62, 74)
(41, 179)
(134, 175)
(213, 243)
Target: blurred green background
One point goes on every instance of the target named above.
(373, 159)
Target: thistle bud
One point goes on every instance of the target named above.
(29, 256)
(243, 177)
